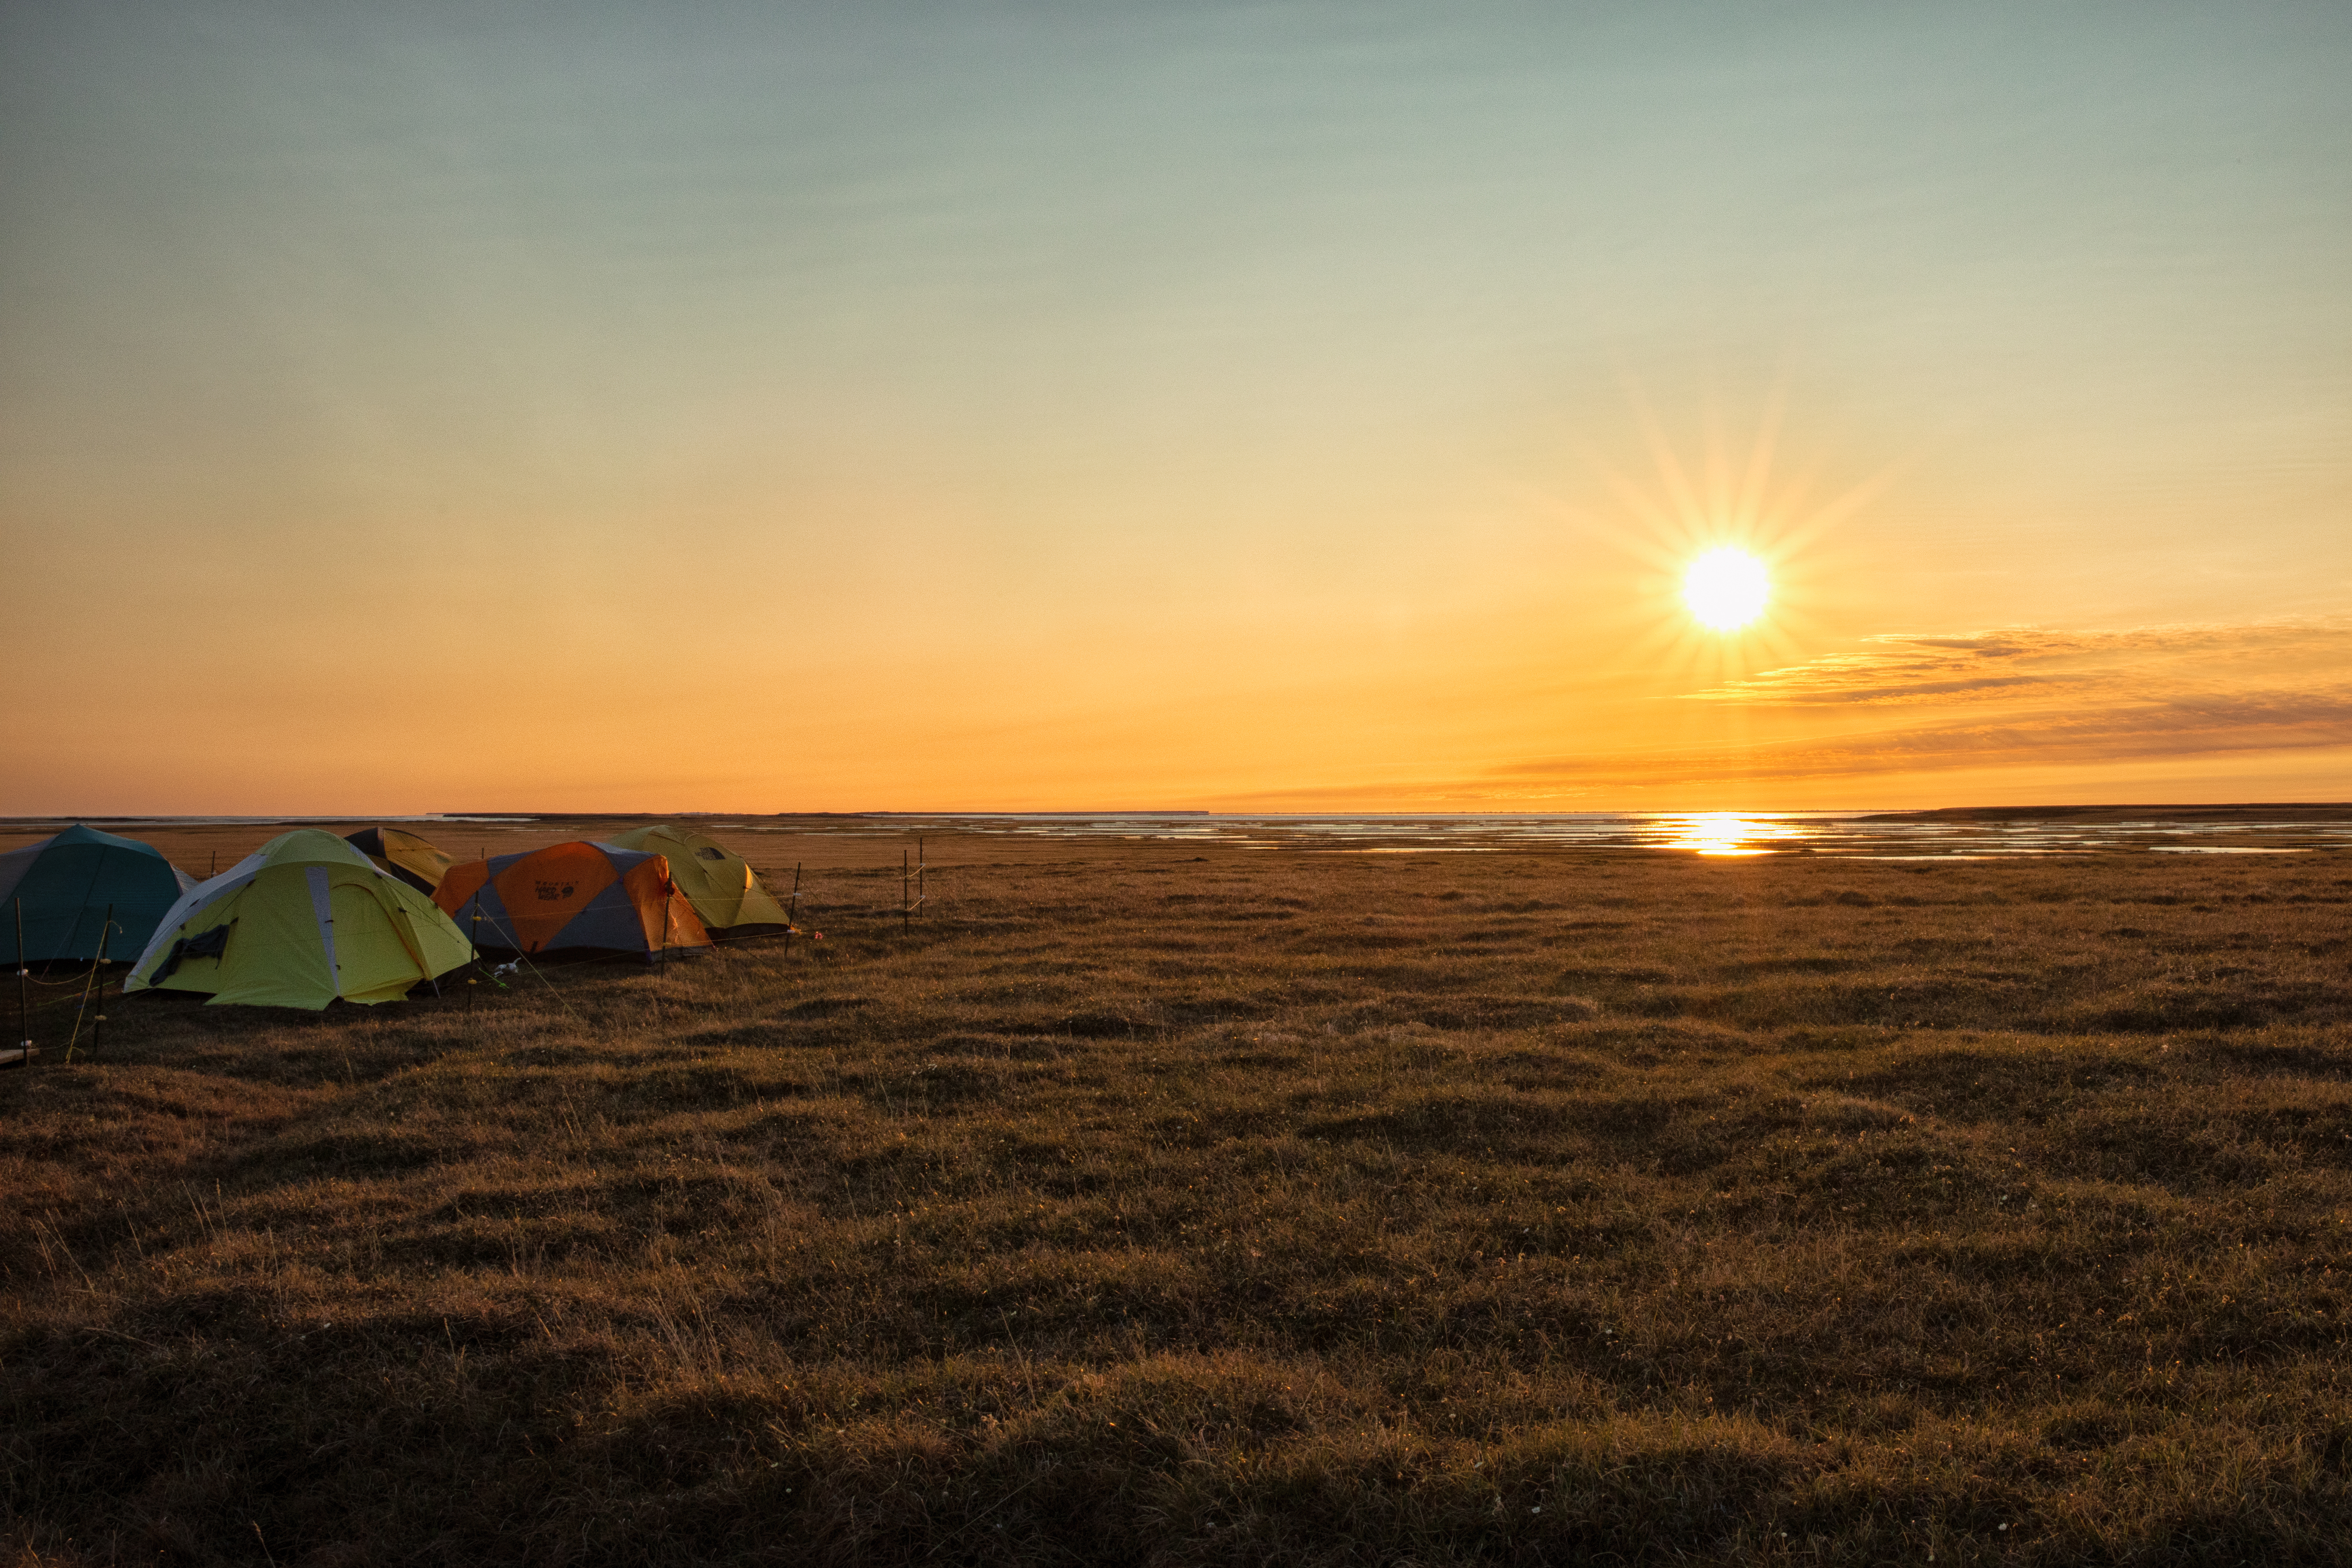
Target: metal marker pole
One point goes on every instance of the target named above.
(473, 954)
(98, 1017)
(906, 893)
(24, 979)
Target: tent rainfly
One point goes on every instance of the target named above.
(574, 896)
(404, 855)
(62, 885)
(718, 882)
(302, 921)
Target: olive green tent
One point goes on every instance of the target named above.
(302, 922)
(717, 881)
(404, 855)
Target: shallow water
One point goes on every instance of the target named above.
(1889, 836)
(1870, 835)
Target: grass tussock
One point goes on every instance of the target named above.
(1288, 1208)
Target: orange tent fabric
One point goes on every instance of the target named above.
(572, 896)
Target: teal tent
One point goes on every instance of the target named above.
(62, 886)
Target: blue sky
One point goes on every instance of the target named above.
(1023, 404)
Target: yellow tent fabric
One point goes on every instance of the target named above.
(716, 880)
(302, 922)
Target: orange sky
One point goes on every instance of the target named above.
(1305, 409)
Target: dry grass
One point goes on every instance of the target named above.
(1279, 1208)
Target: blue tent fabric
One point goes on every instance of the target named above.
(63, 885)
(583, 896)
(608, 920)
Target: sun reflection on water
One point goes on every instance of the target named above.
(1728, 832)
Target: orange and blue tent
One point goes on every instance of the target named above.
(579, 896)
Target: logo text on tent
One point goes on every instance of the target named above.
(553, 890)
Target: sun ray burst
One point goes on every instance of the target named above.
(1752, 494)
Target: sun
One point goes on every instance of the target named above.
(1726, 588)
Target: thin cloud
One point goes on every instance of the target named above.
(1909, 669)
(1911, 704)
(2190, 724)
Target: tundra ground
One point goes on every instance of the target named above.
(1308, 1208)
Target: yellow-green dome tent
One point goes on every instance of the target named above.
(303, 921)
(716, 880)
